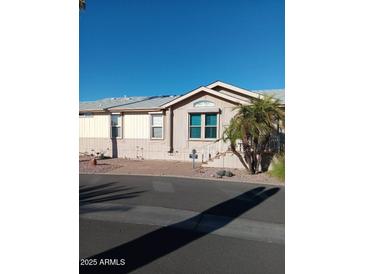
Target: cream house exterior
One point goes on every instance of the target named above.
(164, 127)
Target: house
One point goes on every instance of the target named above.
(165, 127)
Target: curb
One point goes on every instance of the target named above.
(186, 177)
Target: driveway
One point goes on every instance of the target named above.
(178, 225)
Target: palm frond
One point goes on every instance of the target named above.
(82, 4)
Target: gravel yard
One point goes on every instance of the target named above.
(167, 168)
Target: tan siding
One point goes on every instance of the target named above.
(136, 126)
(181, 131)
(95, 126)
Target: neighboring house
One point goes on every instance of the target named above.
(165, 127)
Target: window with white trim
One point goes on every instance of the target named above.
(210, 126)
(116, 131)
(203, 103)
(156, 126)
(195, 125)
(203, 125)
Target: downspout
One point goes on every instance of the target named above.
(171, 131)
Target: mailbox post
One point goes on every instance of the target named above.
(193, 156)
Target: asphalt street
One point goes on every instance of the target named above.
(178, 225)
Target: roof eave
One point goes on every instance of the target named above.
(203, 89)
(234, 88)
(91, 110)
(134, 109)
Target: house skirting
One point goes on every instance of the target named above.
(149, 150)
(94, 145)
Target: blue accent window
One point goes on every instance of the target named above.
(211, 119)
(210, 125)
(195, 125)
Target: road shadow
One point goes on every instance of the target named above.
(156, 244)
(105, 193)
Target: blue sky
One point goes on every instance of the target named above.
(160, 47)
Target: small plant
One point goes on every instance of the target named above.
(278, 168)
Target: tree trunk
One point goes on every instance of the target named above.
(235, 152)
(250, 160)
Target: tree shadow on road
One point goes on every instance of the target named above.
(105, 193)
(156, 244)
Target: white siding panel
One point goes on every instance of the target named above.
(96, 126)
(136, 126)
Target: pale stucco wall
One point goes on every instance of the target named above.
(182, 144)
(136, 141)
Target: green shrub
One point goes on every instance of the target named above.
(278, 168)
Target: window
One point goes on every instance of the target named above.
(195, 125)
(156, 126)
(203, 103)
(115, 126)
(203, 125)
(211, 126)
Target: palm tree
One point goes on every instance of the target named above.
(82, 4)
(254, 125)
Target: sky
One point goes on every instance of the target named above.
(169, 47)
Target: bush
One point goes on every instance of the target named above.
(278, 168)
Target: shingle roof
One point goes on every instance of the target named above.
(135, 102)
(150, 102)
(278, 93)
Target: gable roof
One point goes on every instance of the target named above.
(149, 103)
(109, 102)
(207, 90)
(135, 102)
(234, 88)
(160, 102)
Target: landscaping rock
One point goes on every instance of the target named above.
(173, 168)
(229, 173)
(221, 173)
